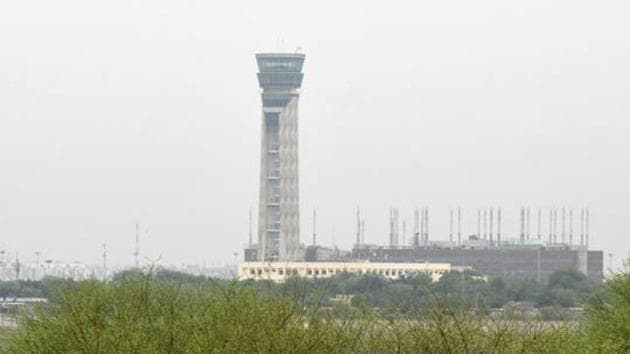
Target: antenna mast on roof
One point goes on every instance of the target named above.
(314, 227)
(586, 226)
(499, 226)
(451, 227)
(522, 224)
(136, 253)
(491, 222)
(528, 223)
(363, 232)
(459, 226)
(416, 227)
(563, 225)
(104, 261)
(485, 224)
(358, 228)
(570, 227)
(250, 227)
(539, 219)
(550, 226)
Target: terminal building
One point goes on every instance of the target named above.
(280, 271)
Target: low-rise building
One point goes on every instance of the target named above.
(280, 271)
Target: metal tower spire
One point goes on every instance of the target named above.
(570, 227)
(250, 228)
(582, 227)
(426, 225)
(136, 253)
(479, 223)
(104, 262)
(416, 227)
(362, 231)
(404, 225)
(528, 223)
(485, 224)
(555, 226)
(539, 221)
(491, 221)
(358, 240)
(563, 225)
(314, 227)
(550, 227)
(451, 227)
(522, 224)
(459, 226)
(499, 227)
(587, 228)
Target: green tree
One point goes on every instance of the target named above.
(608, 320)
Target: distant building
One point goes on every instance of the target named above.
(315, 253)
(280, 77)
(525, 262)
(280, 271)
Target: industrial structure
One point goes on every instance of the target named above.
(487, 251)
(280, 78)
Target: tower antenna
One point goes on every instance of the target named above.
(459, 226)
(314, 227)
(539, 218)
(416, 227)
(491, 222)
(478, 223)
(499, 226)
(582, 227)
(550, 226)
(17, 266)
(250, 227)
(528, 223)
(586, 227)
(358, 228)
(555, 225)
(426, 226)
(522, 224)
(485, 224)
(570, 227)
(563, 225)
(404, 230)
(422, 226)
(104, 261)
(451, 227)
(363, 232)
(36, 275)
(136, 253)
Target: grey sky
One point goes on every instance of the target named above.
(118, 111)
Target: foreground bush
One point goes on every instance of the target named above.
(146, 316)
(608, 325)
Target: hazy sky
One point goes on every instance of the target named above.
(122, 111)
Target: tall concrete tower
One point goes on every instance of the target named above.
(280, 78)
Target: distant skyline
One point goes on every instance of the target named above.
(116, 113)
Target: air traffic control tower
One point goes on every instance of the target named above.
(280, 78)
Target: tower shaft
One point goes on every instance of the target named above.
(280, 78)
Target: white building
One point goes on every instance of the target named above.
(280, 271)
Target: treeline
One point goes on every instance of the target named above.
(173, 313)
(564, 289)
